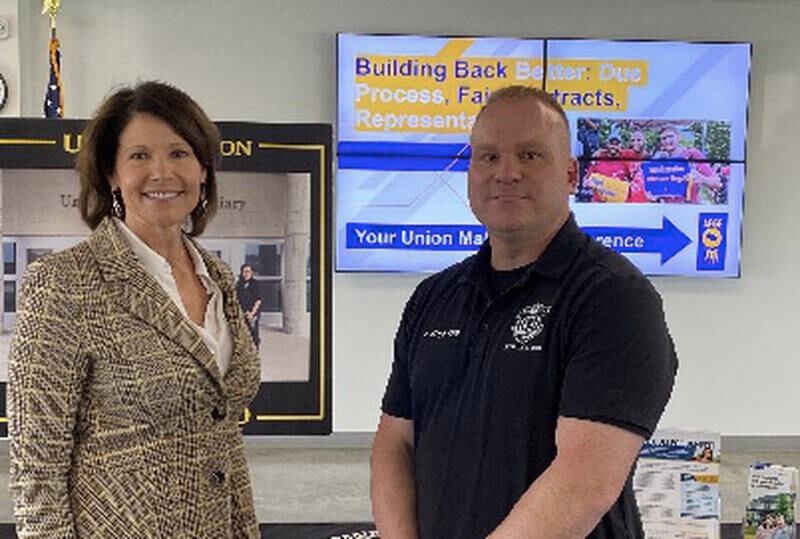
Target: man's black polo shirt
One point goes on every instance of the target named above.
(581, 334)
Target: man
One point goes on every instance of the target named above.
(637, 149)
(612, 148)
(526, 377)
(610, 178)
(703, 183)
(250, 299)
(588, 136)
(669, 146)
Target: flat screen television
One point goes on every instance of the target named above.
(658, 129)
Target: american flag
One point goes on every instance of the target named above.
(54, 97)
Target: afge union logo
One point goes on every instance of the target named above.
(712, 239)
(528, 324)
(711, 229)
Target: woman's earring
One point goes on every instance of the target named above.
(117, 206)
(203, 203)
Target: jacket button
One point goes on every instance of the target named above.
(218, 477)
(217, 413)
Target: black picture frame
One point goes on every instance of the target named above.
(285, 408)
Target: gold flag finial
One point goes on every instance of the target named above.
(51, 8)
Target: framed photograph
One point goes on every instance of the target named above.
(272, 228)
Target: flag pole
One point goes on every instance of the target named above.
(54, 95)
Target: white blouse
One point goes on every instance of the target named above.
(215, 331)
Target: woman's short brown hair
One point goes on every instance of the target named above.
(100, 141)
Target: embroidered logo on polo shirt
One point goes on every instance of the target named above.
(441, 333)
(527, 326)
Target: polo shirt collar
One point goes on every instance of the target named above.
(552, 263)
(561, 251)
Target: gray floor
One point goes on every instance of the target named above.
(295, 484)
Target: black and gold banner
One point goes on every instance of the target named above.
(294, 403)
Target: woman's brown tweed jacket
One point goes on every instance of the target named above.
(120, 424)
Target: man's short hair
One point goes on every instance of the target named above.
(520, 91)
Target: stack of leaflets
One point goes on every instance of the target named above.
(677, 485)
(772, 502)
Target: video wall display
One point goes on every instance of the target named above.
(274, 215)
(658, 129)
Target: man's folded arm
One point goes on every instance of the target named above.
(568, 500)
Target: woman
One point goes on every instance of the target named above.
(132, 362)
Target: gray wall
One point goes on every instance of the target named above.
(9, 57)
(275, 61)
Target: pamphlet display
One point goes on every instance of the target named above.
(772, 502)
(677, 485)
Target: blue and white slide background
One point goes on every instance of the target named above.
(401, 197)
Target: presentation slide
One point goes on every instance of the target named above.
(658, 129)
